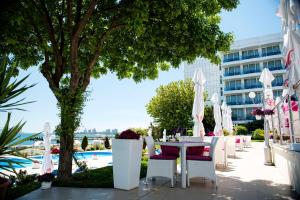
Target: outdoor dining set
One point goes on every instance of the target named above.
(198, 157)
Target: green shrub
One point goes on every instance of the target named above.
(225, 132)
(256, 124)
(95, 178)
(258, 134)
(84, 143)
(17, 191)
(241, 130)
(189, 133)
(117, 135)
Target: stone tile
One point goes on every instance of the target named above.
(246, 177)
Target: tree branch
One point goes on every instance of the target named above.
(75, 76)
(93, 60)
(46, 71)
(57, 57)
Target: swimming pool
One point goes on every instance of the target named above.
(102, 156)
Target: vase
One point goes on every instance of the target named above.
(46, 185)
(257, 117)
(126, 155)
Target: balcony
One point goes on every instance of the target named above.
(251, 86)
(250, 71)
(254, 101)
(250, 56)
(232, 73)
(231, 59)
(276, 68)
(271, 53)
(279, 83)
(233, 88)
(232, 103)
(238, 118)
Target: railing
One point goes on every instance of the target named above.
(250, 56)
(241, 102)
(249, 71)
(258, 85)
(255, 101)
(283, 121)
(275, 68)
(231, 59)
(271, 53)
(232, 74)
(277, 84)
(233, 88)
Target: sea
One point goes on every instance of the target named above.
(54, 138)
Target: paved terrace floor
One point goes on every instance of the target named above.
(246, 177)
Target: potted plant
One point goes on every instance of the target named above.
(46, 180)
(127, 155)
(259, 113)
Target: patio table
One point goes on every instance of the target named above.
(183, 146)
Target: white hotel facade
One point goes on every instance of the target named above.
(240, 70)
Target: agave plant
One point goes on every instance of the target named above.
(10, 90)
(9, 137)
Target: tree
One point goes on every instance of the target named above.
(84, 143)
(172, 106)
(9, 91)
(72, 41)
(106, 143)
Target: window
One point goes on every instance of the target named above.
(251, 68)
(252, 83)
(271, 50)
(231, 57)
(249, 116)
(231, 71)
(256, 100)
(277, 93)
(278, 81)
(253, 53)
(233, 85)
(273, 65)
(237, 114)
(234, 99)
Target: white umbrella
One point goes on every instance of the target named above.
(150, 132)
(289, 11)
(229, 120)
(47, 166)
(164, 135)
(224, 116)
(217, 115)
(198, 106)
(266, 79)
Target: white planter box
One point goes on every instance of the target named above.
(126, 155)
(46, 185)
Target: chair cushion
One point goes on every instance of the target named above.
(194, 150)
(169, 150)
(237, 140)
(163, 157)
(206, 149)
(202, 158)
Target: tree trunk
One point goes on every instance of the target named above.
(65, 156)
(70, 113)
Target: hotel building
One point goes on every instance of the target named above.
(241, 69)
(239, 74)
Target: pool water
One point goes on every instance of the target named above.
(89, 155)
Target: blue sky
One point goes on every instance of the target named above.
(121, 104)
